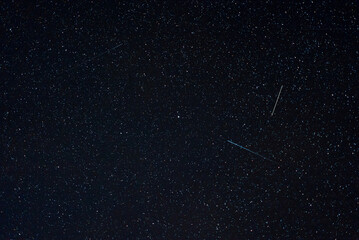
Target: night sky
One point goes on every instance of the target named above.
(116, 116)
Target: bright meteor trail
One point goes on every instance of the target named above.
(276, 102)
(250, 151)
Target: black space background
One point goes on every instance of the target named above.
(115, 119)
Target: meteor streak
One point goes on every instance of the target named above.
(276, 102)
(250, 151)
(95, 57)
(104, 52)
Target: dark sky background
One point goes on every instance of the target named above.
(115, 118)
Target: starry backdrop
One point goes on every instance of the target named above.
(115, 117)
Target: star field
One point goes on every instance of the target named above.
(116, 117)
